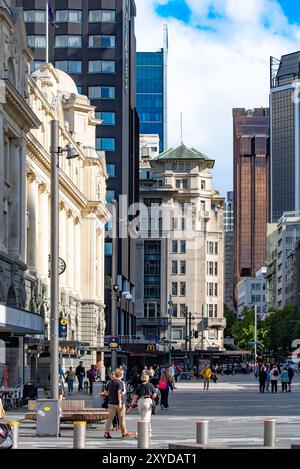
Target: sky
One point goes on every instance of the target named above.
(219, 55)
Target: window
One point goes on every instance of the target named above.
(216, 289)
(174, 247)
(210, 311)
(216, 268)
(185, 183)
(181, 166)
(210, 289)
(216, 310)
(68, 41)
(203, 184)
(68, 16)
(108, 249)
(178, 333)
(182, 310)
(111, 170)
(212, 334)
(182, 267)
(35, 16)
(106, 144)
(37, 42)
(216, 249)
(210, 247)
(182, 289)
(210, 268)
(203, 205)
(108, 118)
(110, 196)
(102, 66)
(183, 247)
(102, 41)
(69, 66)
(174, 289)
(177, 183)
(102, 16)
(102, 92)
(174, 267)
(175, 310)
(174, 224)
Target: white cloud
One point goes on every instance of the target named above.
(212, 72)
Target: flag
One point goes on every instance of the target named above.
(51, 17)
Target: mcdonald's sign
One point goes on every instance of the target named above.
(151, 348)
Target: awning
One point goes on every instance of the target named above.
(20, 321)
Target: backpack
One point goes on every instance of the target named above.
(6, 436)
(275, 373)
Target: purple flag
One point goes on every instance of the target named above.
(51, 17)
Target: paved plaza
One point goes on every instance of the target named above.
(233, 406)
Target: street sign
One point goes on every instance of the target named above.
(114, 343)
(253, 342)
(63, 328)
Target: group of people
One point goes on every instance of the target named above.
(80, 374)
(269, 375)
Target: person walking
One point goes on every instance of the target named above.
(80, 374)
(268, 380)
(70, 378)
(274, 376)
(291, 376)
(91, 375)
(262, 378)
(206, 375)
(284, 380)
(144, 396)
(164, 385)
(115, 392)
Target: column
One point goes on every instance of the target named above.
(77, 252)
(43, 238)
(63, 239)
(14, 194)
(100, 266)
(32, 206)
(70, 249)
(2, 162)
(23, 204)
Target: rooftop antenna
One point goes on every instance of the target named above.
(181, 128)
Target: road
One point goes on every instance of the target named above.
(233, 406)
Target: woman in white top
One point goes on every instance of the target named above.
(274, 375)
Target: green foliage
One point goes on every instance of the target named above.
(231, 320)
(243, 330)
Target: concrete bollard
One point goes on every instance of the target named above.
(143, 429)
(270, 433)
(202, 432)
(79, 435)
(15, 433)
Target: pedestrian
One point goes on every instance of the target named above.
(284, 380)
(144, 396)
(274, 376)
(171, 373)
(164, 385)
(70, 378)
(268, 380)
(291, 376)
(61, 372)
(206, 375)
(91, 375)
(80, 374)
(115, 392)
(262, 378)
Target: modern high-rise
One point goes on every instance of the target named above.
(251, 190)
(152, 68)
(285, 135)
(228, 251)
(94, 42)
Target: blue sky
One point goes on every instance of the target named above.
(219, 56)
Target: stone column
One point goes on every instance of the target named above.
(100, 266)
(63, 239)
(70, 249)
(15, 177)
(23, 204)
(2, 160)
(43, 239)
(77, 253)
(32, 201)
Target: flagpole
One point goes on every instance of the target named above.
(47, 33)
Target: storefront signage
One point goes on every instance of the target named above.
(63, 328)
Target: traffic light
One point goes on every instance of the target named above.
(196, 334)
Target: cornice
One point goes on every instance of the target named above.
(18, 109)
(4, 15)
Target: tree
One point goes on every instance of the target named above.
(231, 318)
(243, 330)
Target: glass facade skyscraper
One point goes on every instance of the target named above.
(152, 92)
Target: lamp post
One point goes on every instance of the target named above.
(170, 314)
(255, 336)
(55, 151)
(114, 285)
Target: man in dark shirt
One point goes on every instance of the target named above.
(80, 373)
(115, 390)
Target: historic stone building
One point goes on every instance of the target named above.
(180, 253)
(82, 217)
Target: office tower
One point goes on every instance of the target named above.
(94, 42)
(251, 190)
(182, 257)
(285, 135)
(152, 68)
(228, 251)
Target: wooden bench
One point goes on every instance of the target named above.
(72, 411)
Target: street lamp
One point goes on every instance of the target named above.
(55, 152)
